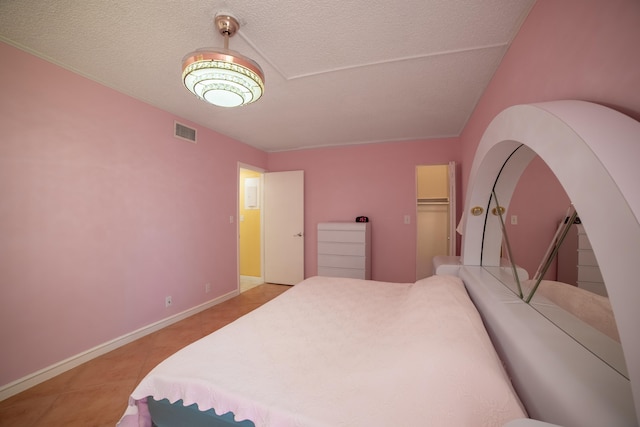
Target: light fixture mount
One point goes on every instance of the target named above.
(226, 24)
(223, 77)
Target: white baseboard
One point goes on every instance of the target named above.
(49, 372)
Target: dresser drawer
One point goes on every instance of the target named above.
(342, 272)
(595, 287)
(345, 236)
(337, 248)
(587, 257)
(583, 242)
(358, 262)
(589, 274)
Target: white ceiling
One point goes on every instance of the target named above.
(337, 72)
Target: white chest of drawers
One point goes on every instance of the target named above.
(344, 249)
(589, 275)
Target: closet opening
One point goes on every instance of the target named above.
(435, 215)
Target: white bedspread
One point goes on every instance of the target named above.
(344, 352)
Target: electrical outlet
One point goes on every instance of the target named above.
(207, 288)
(167, 302)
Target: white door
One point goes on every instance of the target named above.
(284, 227)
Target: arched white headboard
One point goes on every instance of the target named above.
(595, 152)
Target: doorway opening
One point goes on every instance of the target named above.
(435, 215)
(250, 227)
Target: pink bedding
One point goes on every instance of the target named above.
(344, 352)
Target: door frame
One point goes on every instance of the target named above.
(262, 171)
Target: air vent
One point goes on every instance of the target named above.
(184, 132)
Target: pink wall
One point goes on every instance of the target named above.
(102, 214)
(571, 49)
(374, 180)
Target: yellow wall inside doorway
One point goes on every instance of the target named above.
(250, 231)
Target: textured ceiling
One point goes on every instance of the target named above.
(337, 72)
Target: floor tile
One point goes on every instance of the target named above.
(96, 393)
(26, 413)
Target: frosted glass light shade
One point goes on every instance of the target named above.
(222, 77)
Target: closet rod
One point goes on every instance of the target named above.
(434, 201)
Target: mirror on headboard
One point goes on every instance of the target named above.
(550, 263)
(593, 151)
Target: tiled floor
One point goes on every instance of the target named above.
(248, 282)
(96, 393)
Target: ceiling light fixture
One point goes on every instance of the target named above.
(223, 77)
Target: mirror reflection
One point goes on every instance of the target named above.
(549, 260)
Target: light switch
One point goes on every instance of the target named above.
(407, 219)
(514, 219)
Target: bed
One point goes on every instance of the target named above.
(339, 352)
